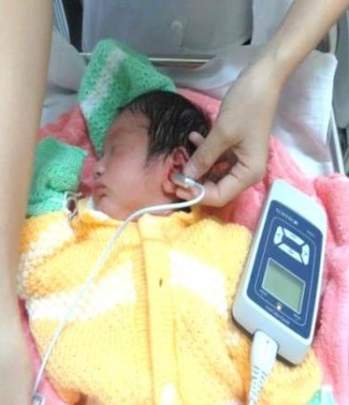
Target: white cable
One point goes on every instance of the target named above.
(183, 181)
(263, 354)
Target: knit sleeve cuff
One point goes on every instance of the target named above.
(57, 169)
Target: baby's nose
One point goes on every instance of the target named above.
(98, 169)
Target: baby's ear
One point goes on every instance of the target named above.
(174, 163)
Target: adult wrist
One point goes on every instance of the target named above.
(266, 71)
(273, 65)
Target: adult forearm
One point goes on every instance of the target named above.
(25, 34)
(305, 24)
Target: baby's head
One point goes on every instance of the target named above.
(146, 144)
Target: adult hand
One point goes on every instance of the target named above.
(246, 115)
(234, 154)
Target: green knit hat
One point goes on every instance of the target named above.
(115, 76)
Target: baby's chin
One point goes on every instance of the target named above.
(108, 207)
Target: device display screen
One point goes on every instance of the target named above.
(283, 285)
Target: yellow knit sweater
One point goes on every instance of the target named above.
(156, 326)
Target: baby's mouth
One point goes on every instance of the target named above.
(99, 191)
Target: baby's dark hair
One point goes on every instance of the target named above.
(172, 118)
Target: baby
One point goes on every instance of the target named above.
(148, 142)
(155, 327)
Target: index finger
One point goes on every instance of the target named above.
(207, 154)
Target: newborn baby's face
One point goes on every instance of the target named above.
(124, 181)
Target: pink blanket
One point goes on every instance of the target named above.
(332, 336)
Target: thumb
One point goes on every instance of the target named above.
(206, 154)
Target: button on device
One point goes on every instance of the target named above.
(305, 254)
(278, 235)
(290, 252)
(296, 239)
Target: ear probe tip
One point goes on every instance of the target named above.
(183, 180)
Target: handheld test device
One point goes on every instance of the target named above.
(280, 289)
